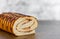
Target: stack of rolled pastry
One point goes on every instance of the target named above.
(17, 23)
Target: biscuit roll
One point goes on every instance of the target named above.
(18, 24)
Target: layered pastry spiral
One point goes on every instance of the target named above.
(18, 24)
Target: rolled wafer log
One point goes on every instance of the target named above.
(18, 24)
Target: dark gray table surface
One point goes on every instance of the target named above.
(45, 30)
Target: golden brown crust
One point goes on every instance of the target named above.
(8, 19)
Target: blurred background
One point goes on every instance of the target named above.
(41, 9)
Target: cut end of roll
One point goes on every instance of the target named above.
(25, 26)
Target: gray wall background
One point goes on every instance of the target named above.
(41, 9)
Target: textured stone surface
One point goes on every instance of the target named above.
(41, 9)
